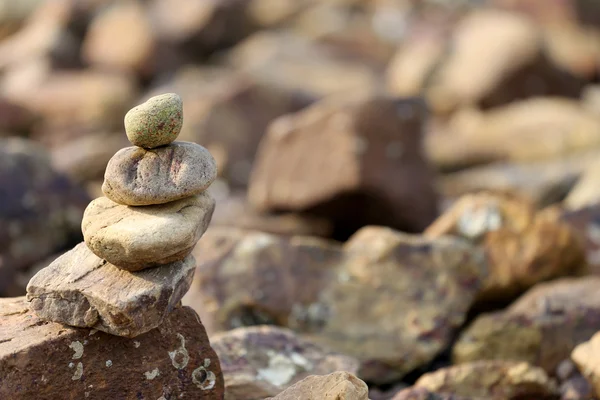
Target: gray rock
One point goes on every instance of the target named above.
(138, 177)
(157, 122)
(79, 289)
(135, 238)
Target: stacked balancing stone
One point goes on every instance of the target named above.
(135, 264)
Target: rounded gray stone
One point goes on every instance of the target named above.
(139, 177)
(157, 122)
(136, 238)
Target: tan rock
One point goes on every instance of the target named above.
(493, 380)
(514, 132)
(80, 289)
(134, 238)
(542, 327)
(363, 149)
(156, 122)
(587, 357)
(523, 246)
(137, 177)
(173, 360)
(120, 37)
(587, 190)
(262, 361)
(373, 299)
(338, 386)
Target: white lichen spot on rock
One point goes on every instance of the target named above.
(152, 374)
(109, 363)
(87, 394)
(93, 332)
(71, 365)
(162, 398)
(281, 369)
(78, 372)
(476, 221)
(180, 357)
(203, 378)
(136, 344)
(77, 347)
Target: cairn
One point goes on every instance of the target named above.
(135, 263)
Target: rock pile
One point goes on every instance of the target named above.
(135, 264)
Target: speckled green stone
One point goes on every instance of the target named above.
(157, 122)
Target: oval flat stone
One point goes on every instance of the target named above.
(157, 122)
(138, 177)
(135, 238)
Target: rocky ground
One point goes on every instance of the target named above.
(407, 199)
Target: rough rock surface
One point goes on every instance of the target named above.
(493, 380)
(40, 360)
(80, 289)
(523, 246)
(364, 149)
(542, 327)
(40, 210)
(338, 385)
(389, 299)
(420, 393)
(128, 236)
(157, 122)
(586, 222)
(587, 357)
(262, 361)
(138, 177)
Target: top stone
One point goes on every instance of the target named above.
(157, 122)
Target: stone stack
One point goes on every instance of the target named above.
(135, 264)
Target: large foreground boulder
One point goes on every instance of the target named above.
(46, 361)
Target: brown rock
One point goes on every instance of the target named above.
(120, 37)
(513, 133)
(40, 210)
(259, 362)
(587, 355)
(127, 236)
(338, 385)
(139, 177)
(228, 113)
(516, 67)
(523, 246)
(356, 160)
(501, 380)
(297, 64)
(586, 222)
(420, 393)
(542, 327)
(80, 289)
(373, 299)
(167, 362)
(591, 99)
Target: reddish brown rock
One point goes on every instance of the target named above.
(167, 362)
(338, 385)
(228, 113)
(523, 246)
(493, 380)
(542, 327)
(587, 356)
(356, 160)
(372, 299)
(258, 362)
(40, 210)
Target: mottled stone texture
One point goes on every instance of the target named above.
(420, 393)
(47, 361)
(523, 246)
(139, 177)
(135, 238)
(262, 361)
(356, 159)
(338, 385)
(542, 327)
(157, 122)
(80, 289)
(389, 299)
(492, 380)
